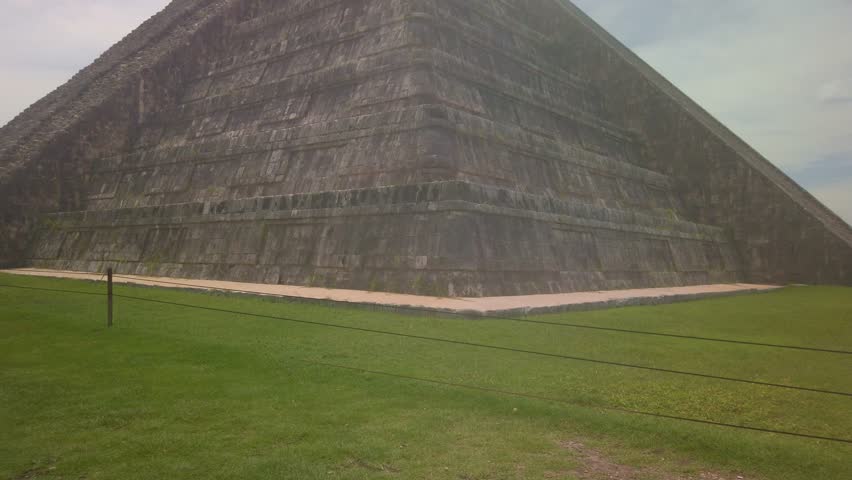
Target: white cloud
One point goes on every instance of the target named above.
(836, 91)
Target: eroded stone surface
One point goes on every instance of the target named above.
(441, 147)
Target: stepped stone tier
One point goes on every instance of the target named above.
(441, 147)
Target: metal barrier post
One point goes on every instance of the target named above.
(109, 297)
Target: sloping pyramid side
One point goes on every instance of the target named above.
(782, 233)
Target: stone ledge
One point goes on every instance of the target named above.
(472, 307)
(421, 117)
(419, 198)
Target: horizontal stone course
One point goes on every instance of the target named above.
(430, 195)
(476, 152)
(393, 238)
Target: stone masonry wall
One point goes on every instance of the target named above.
(448, 147)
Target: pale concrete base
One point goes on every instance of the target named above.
(518, 305)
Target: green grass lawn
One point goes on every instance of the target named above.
(172, 392)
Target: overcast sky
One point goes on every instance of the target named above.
(777, 72)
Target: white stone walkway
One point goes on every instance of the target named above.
(475, 306)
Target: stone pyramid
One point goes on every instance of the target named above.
(436, 147)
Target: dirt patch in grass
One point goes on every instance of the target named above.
(36, 471)
(594, 465)
(359, 463)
